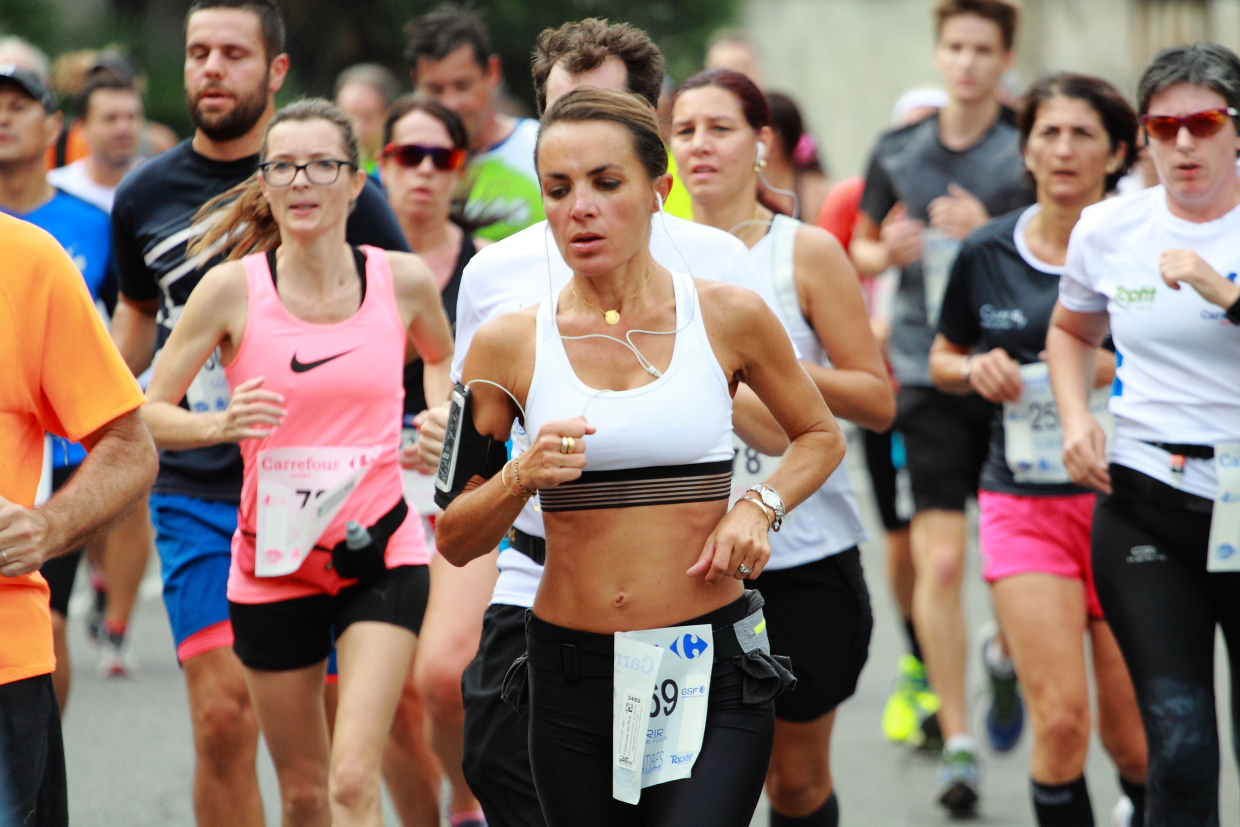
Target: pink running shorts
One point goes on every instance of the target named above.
(1020, 535)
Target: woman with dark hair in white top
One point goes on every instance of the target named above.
(721, 127)
(1158, 268)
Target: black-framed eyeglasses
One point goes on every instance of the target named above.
(322, 172)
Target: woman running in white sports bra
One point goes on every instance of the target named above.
(624, 380)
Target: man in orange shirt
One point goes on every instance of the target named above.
(63, 375)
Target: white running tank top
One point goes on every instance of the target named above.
(829, 521)
(683, 417)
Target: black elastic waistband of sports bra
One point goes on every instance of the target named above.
(1189, 451)
(532, 547)
(631, 487)
(1127, 482)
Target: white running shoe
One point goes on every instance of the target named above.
(115, 661)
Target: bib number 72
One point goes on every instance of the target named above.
(306, 493)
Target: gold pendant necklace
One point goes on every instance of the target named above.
(611, 317)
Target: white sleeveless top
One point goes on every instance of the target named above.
(665, 442)
(829, 521)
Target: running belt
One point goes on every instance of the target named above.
(1189, 451)
(631, 487)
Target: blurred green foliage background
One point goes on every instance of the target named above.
(325, 36)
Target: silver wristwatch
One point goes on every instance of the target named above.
(772, 500)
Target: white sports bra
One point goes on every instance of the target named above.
(669, 441)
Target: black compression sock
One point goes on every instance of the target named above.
(828, 815)
(914, 647)
(1136, 794)
(1062, 805)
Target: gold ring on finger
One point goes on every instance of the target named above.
(567, 445)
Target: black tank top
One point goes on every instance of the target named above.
(415, 397)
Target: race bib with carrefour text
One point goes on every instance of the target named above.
(300, 491)
(661, 688)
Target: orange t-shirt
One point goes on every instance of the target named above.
(75, 146)
(62, 374)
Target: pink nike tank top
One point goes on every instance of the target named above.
(342, 388)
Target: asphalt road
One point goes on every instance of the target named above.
(130, 756)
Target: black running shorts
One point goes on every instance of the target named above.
(819, 615)
(946, 439)
(496, 761)
(292, 634)
(32, 755)
(883, 478)
(61, 572)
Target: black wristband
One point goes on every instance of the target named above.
(1233, 313)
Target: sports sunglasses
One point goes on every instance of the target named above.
(1200, 124)
(444, 158)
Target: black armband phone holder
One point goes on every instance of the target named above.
(466, 453)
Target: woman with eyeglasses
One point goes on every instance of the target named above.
(1078, 136)
(721, 126)
(422, 164)
(1159, 269)
(312, 335)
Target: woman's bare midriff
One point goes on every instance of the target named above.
(621, 569)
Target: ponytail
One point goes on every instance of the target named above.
(239, 222)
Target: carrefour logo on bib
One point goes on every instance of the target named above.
(1135, 296)
(688, 646)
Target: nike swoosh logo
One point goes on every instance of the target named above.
(302, 367)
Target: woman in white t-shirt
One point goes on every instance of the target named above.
(1159, 267)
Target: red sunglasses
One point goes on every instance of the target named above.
(444, 158)
(1199, 124)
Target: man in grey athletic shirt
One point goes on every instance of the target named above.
(928, 185)
(520, 271)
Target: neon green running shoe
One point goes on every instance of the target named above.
(911, 703)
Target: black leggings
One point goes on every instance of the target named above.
(570, 748)
(1149, 553)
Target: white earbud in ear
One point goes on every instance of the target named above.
(761, 156)
(660, 198)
